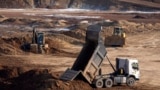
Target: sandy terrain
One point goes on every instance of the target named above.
(24, 70)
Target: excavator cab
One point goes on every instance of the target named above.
(38, 42)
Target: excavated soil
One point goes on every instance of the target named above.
(23, 70)
(13, 78)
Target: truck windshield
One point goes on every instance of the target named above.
(135, 66)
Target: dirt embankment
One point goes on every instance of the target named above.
(147, 5)
(16, 3)
(34, 3)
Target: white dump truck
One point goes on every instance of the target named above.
(88, 64)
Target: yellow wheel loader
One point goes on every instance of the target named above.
(117, 38)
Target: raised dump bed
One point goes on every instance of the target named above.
(90, 58)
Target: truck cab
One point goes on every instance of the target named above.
(134, 69)
(127, 67)
(127, 72)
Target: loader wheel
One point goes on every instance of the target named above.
(108, 83)
(99, 83)
(130, 81)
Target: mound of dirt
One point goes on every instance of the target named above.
(78, 34)
(11, 46)
(57, 45)
(37, 79)
(17, 78)
(26, 21)
(132, 27)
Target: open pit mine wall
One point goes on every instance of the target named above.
(34, 3)
(83, 4)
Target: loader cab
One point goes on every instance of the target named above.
(119, 31)
(128, 67)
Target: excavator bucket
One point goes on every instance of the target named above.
(90, 58)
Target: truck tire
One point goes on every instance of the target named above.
(130, 81)
(108, 82)
(99, 83)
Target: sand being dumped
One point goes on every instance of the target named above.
(12, 78)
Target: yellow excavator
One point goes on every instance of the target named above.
(117, 38)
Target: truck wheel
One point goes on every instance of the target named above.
(130, 81)
(99, 83)
(108, 82)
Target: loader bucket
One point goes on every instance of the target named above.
(114, 41)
